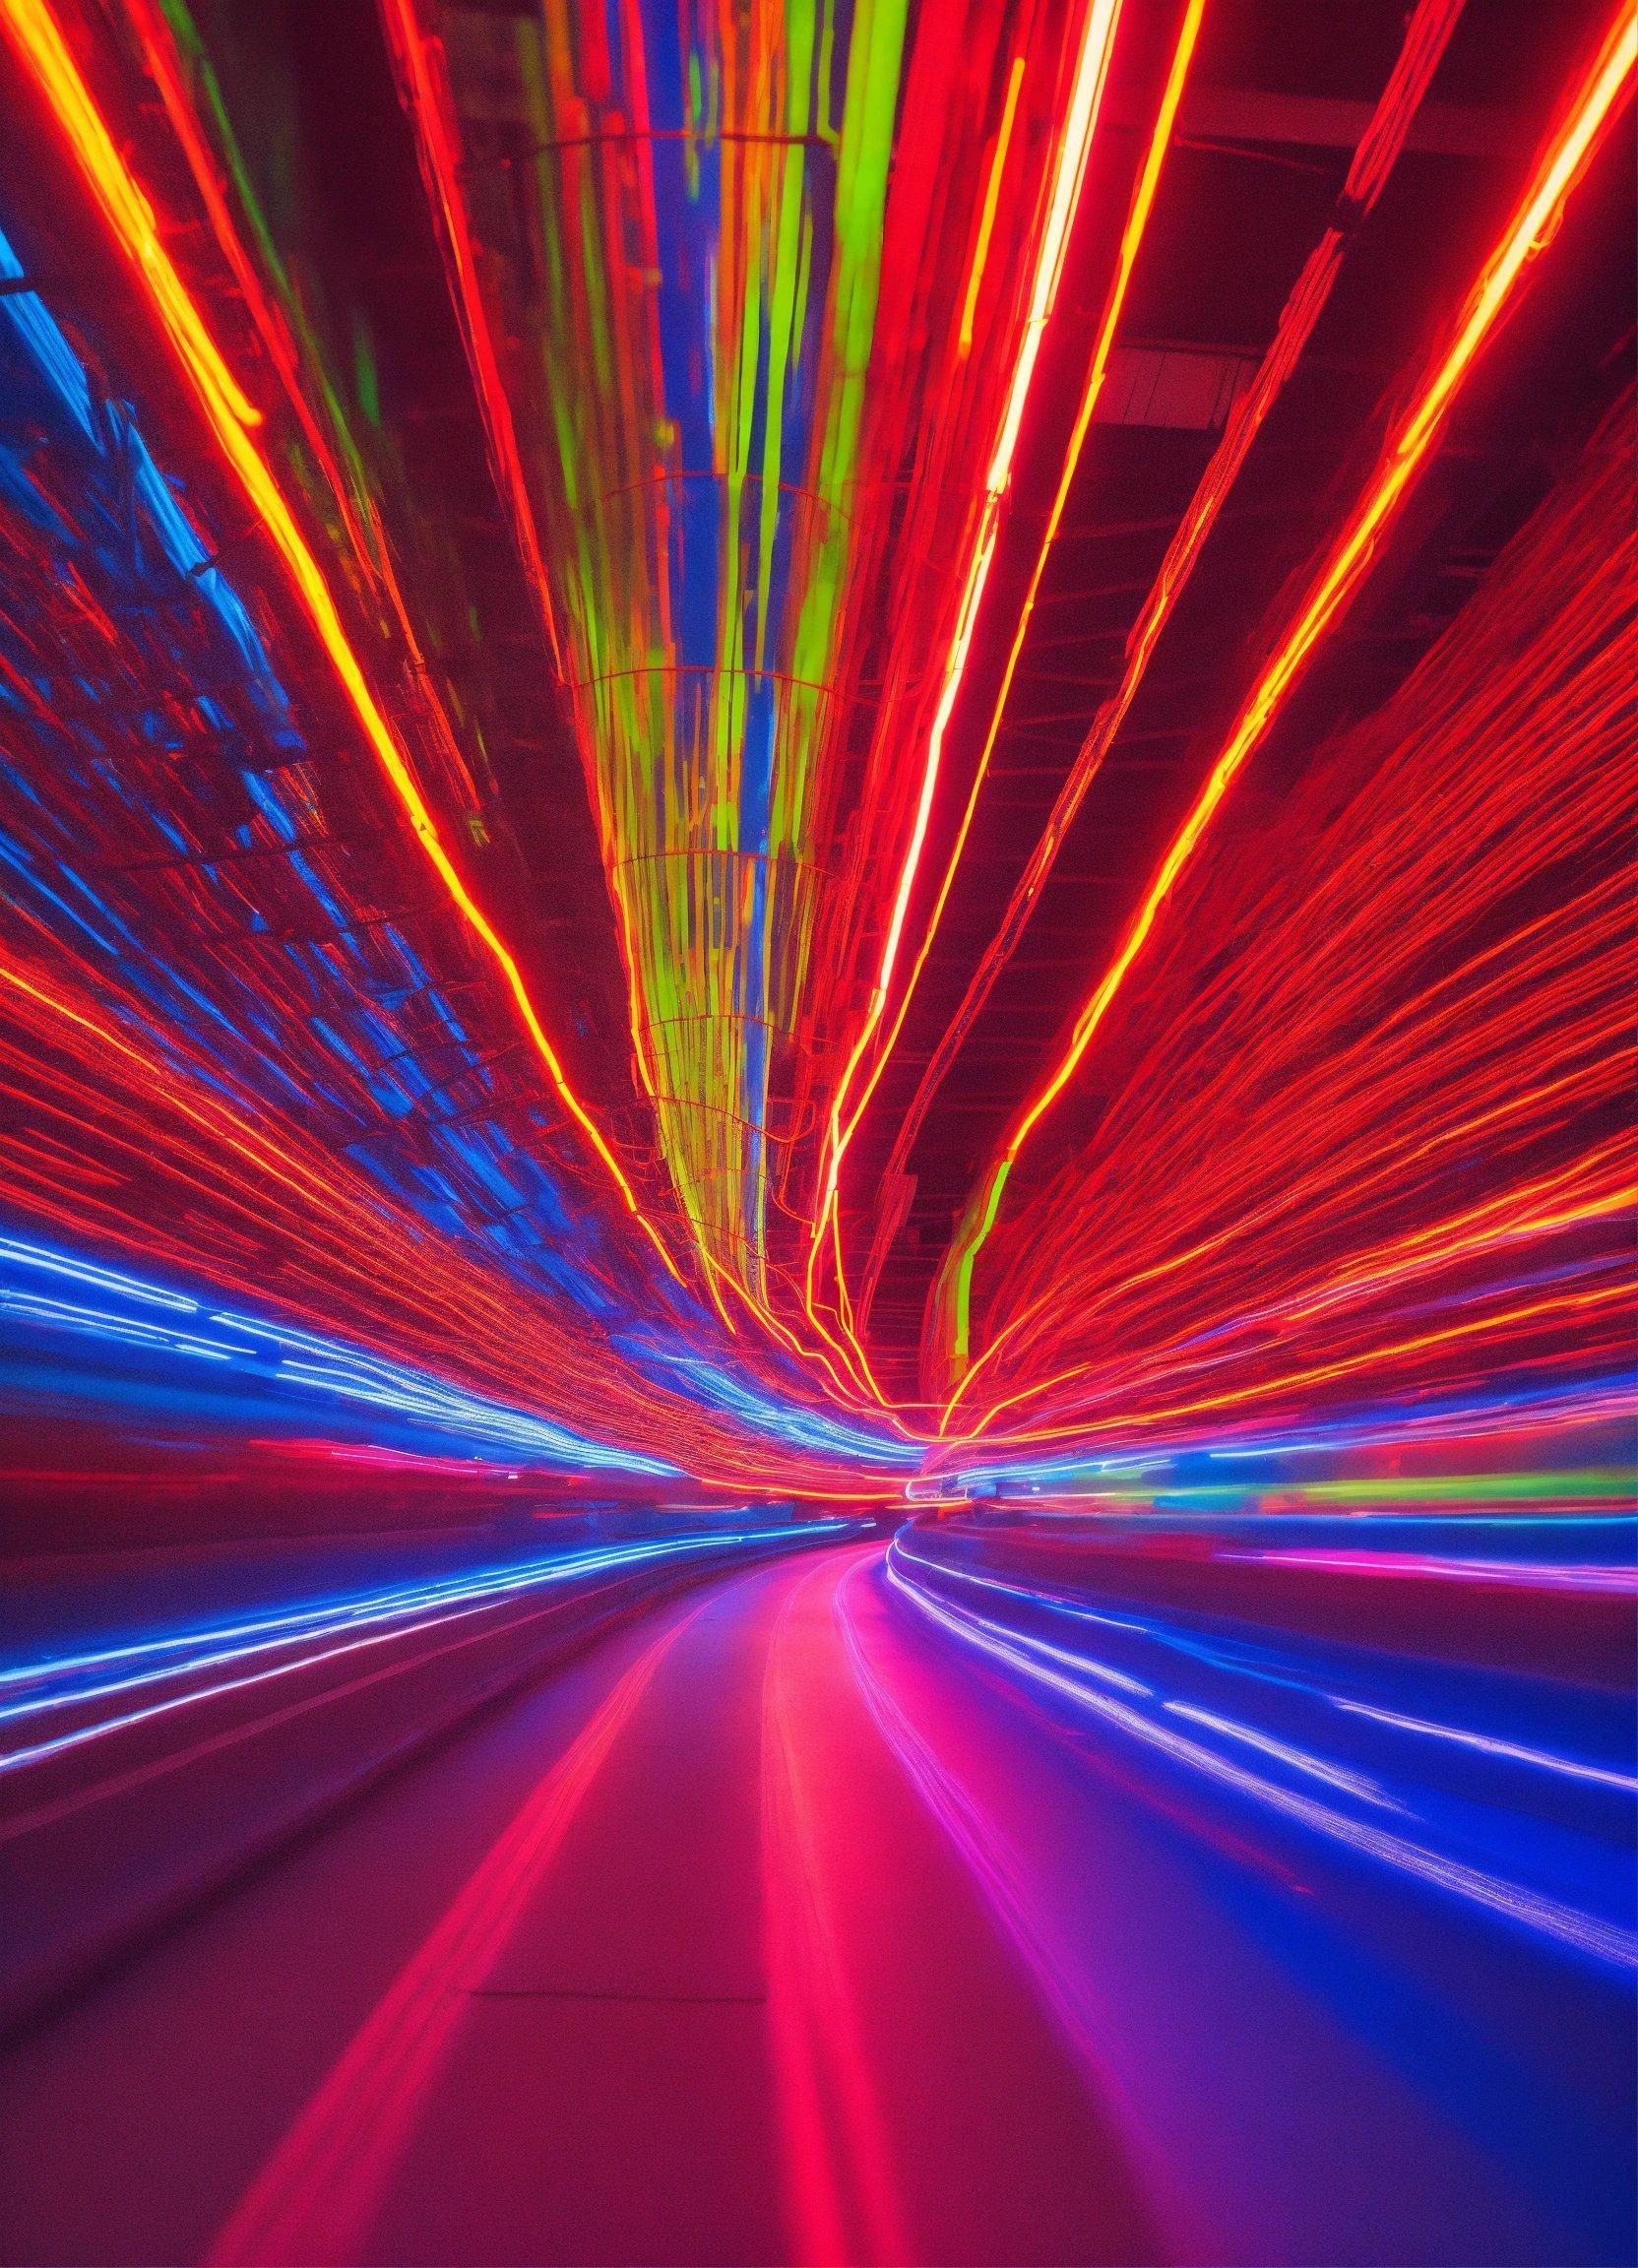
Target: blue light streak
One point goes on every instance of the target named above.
(283, 1363)
(1067, 1677)
(343, 1627)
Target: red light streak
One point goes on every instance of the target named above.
(1074, 147)
(1399, 1171)
(1529, 229)
(231, 416)
(1425, 43)
(243, 1037)
(320, 2186)
(105, 1134)
(844, 2199)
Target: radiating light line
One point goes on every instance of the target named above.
(41, 47)
(1547, 1917)
(1334, 1775)
(319, 2188)
(453, 1601)
(1568, 1767)
(1073, 150)
(1425, 43)
(1137, 222)
(1529, 229)
(992, 189)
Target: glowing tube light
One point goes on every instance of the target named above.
(42, 51)
(1425, 40)
(1074, 147)
(1530, 229)
(1064, 1674)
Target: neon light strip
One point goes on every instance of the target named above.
(1585, 1933)
(477, 1599)
(1527, 232)
(1074, 147)
(1540, 1758)
(44, 52)
(1425, 43)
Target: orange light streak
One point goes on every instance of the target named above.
(45, 53)
(424, 77)
(1561, 1305)
(1137, 222)
(1424, 44)
(411, 1294)
(1074, 147)
(980, 251)
(427, 92)
(1527, 232)
(1481, 1231)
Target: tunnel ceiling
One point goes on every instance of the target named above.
(649, 648)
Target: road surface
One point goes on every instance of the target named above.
(784, 1926)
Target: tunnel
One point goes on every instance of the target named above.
(816, 1159)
